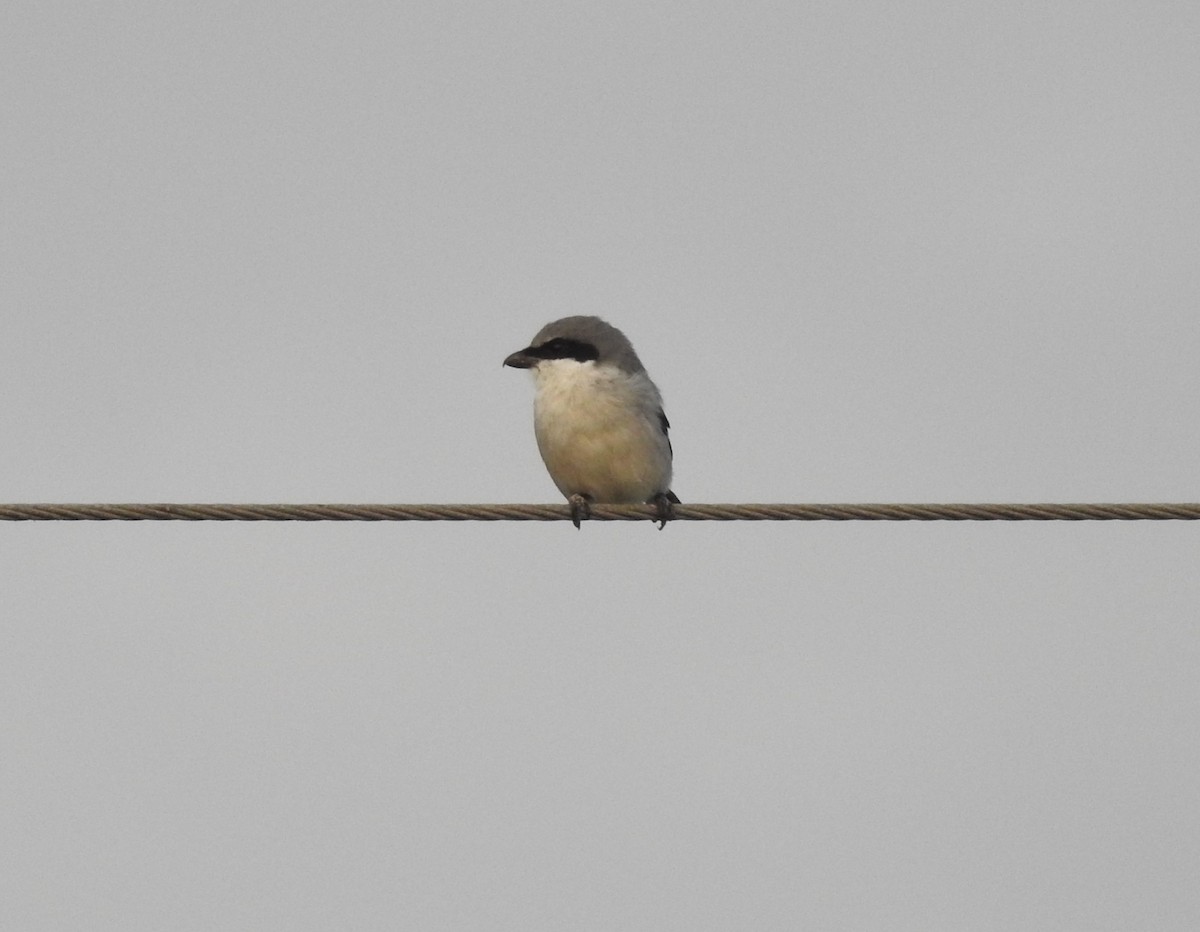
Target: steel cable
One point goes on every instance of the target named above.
(515, 512)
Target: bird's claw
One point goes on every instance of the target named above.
(664, 509)
(581, 508)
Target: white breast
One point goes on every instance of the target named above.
(599, 433)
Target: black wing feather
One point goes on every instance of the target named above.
(666, 425)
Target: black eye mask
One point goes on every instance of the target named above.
(562, 348)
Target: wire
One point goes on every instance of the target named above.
(748, 512)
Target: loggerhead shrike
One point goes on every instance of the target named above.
(598, 418)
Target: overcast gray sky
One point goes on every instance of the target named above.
(870, 252)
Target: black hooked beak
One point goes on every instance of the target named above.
(522, 359)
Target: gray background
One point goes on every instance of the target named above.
(870, 252)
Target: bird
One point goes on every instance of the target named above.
(598, 417)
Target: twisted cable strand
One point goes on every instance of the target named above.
(516, 512)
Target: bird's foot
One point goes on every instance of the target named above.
(581, 508)
(664, 508)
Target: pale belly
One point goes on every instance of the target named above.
(605, 452)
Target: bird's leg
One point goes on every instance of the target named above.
(581, 508)
(664, 509)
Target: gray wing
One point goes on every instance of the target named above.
(664, 426)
